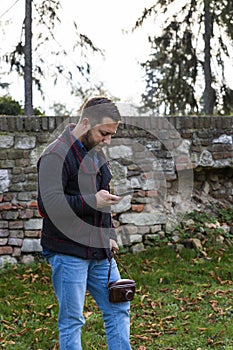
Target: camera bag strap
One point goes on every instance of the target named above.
(118, 262)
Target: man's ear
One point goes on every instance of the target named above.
(86, 124)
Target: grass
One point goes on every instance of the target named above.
(181, 303)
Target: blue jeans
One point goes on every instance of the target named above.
(71, 276)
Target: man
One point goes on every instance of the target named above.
(77, 234)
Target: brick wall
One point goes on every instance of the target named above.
(167, 158)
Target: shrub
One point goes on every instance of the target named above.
(8, 106)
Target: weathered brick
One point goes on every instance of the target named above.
(4, 123)
(44, 125)
(137, 207)
(184, 166)
(6, 141)
(22, 162)
(135, 238)
(8, 197)
(24, 196)
(17, 171)
(18, 178)
(6, 250)
(141, 193)
(16, 233)
(20, 123)
(26, 214)
(25, 142)
(30, 186)
(22, 205)
(133, 167)
(14, 154)
(152, 193)
(5, 206)
(188, 123)
(3, 155)
(143, 229)
(142, 219)
(17, 187)
(31, 169)
(15, 242)
(32, 204)
(129, 229)
(32, 177)
(51, 123)
(218, 155)
(228, 147)
(155, 228)
(12, 123)
(15, 224)
(10, 215)
(3, 224)
(228, 155)
(182, 159)
(6, 163)
(170, 177)
(4, 232)
(27, 259)
(34, 195)
(29, 123)
(33, 224)
(32, 234)
(3, 241)
(137, 248)
(218, 147)
(31, 245)
(16, 251)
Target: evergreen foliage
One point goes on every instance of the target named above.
(9, 106)
(185, 72)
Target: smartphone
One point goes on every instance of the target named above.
(126, 193)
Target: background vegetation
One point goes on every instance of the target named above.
(186, 69)
(9, 106)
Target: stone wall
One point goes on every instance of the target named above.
(167, 159)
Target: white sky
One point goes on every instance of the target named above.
(103, 21)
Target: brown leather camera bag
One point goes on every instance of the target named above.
(122, 289)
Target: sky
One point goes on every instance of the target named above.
(108, 24)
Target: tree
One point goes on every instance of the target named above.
(9, 106)
(191, 50)
(60, 109)
(28, 107)
(46, 16)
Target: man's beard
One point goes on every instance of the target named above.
(89, 143)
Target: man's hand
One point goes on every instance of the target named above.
(113, 246)
(104, 199)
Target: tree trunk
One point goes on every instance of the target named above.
(208, 92)
(28, 108)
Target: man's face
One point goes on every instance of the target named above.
(100, 135)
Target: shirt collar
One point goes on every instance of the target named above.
(77, 141)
